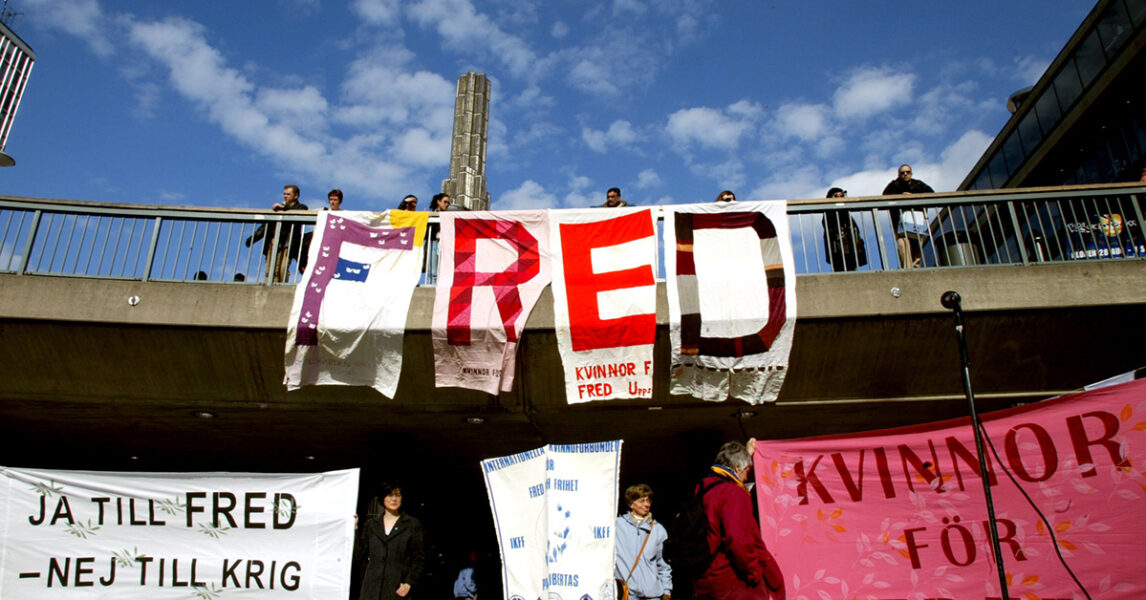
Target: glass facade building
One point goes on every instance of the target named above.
(1084, 121)
(16, 60)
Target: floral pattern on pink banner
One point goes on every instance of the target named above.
(901, 513)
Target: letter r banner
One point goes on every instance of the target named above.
(493, 268)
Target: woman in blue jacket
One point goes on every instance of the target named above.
(640, 560)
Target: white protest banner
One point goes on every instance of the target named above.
(554, 510)
(493, 268)
(732, 298)
(605, 301)
(349, 312)
(150, 536)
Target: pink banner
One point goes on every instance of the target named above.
(901, 513)
(493, 267)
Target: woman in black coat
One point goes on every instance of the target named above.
(392, 545)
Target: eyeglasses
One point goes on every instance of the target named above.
(905, 172)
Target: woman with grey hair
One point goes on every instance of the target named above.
(737, 457)
(741, 567)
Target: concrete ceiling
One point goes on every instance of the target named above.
(89, 381)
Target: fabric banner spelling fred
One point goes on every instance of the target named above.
(732, 298)
(150, 536)
(605, 301)
(554, 509)
(493, 267)
(349, 312)
(901, 513)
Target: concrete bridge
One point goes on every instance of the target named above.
(168, 373)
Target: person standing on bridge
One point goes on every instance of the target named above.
(906, 243)
(278, 255)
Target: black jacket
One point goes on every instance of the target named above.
(391, 559)
(290, 240)
(898, 186)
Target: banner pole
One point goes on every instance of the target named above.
(951, 301)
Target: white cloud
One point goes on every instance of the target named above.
(942, 105)
(422, 148)
(559, 30)
(807, 122)
(538, 130)
(532, 98)
(708, 127)
(581, 200)
(380, 90)
(620, 133)
(464, 29)
(943, 175)
(303, 106)
(633, 7)
(81, 18)
(647, 179)
(869, 91)
(958, 158)
(608, 64)
(1028, 69)
(377, 12)
(290, 126)
(580, 195)
(527, 196)
(798, 185)
(593, 76)
(198, 72)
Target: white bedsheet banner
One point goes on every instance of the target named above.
(732, 298)
(349, 313)
(605, 301)
(493, 268)
(149, 536)
(554, 510)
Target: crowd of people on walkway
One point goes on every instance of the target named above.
(844, 245)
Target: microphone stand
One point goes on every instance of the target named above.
(951, 301)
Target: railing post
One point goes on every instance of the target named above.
(1141, 232)
(273, 257)
(1018, 232)
(28, 245)
(879, 240)
(151, 248)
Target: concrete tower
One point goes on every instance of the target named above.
(466, 185)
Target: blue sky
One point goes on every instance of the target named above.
(222, 103)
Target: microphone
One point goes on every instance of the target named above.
(951, 300)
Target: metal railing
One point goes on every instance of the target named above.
(150, 243)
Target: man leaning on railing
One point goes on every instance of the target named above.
(289, 238)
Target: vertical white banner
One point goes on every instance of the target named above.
(605, 301)
(349, 314)
(554, 510)
(150, 536)
(493, 268)
(731, 283)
